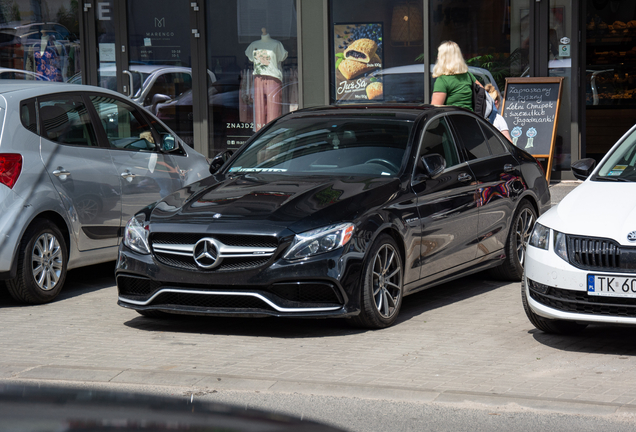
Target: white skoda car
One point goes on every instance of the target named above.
(581, 258)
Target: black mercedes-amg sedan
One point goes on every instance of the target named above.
(336, 212)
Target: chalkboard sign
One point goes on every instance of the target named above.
(531, 110)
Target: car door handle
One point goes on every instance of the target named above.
(128, 175)
(464, 177)
(61, 172)
(509, 168)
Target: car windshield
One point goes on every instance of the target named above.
(621, 163)
(319, 145)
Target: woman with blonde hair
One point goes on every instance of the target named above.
(453, 82)
(499, 122)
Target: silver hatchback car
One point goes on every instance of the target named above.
(76, 162)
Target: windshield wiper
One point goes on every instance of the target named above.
(614, 179)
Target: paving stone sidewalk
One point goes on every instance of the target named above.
(466, 340)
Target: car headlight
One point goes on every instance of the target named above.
(540, 237)
(320, 240)
(136, 234)
(560, 245)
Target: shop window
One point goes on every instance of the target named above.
(493, 35)
(376, 51)
(610, 73)
(253, 54)
(42, 42)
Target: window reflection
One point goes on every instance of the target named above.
(39, 43)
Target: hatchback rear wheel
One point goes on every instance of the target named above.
(42, 261)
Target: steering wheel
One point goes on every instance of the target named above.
(384, 162)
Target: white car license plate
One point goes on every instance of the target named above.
(611, 286)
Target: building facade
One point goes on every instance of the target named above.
(217, 71)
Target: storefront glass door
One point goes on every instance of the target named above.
(143, 51)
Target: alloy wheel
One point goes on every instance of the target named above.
(523, 230)
(46, 261)
(387, 281)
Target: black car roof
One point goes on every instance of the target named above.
(405, 111)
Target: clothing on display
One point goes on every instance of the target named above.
(48, 58)
(266, 54)
(267, 100)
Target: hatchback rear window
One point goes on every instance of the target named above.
(27, 115)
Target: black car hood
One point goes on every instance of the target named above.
(299, 203)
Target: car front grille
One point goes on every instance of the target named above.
(287, 294)
(599, 254)
(228, 239)
(172, 299)
(579, 302)
(236, 253)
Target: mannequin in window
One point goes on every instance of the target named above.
(266, 54)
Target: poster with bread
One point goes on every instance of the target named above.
(358, 52)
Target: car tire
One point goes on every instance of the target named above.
(381, 288)
(548, 325)
(511, 269)
(42, 262)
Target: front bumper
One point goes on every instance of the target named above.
(322, 287)
(557, 290)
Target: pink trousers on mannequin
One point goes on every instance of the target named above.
(267, 100)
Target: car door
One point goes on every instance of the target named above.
(446, 205)
(497, 176)
(145, 173)
(82, 172)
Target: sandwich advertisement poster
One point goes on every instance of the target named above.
(358, 50)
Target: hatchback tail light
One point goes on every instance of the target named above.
(10, 168)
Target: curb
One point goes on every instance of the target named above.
(201, 385)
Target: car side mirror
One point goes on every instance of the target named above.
(218, 160)
(160, 98)
(168, 143)
(156, 100)
(433, 165)
(583, 168)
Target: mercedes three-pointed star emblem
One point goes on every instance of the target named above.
(206, 253)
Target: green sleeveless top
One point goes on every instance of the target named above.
(458, 89)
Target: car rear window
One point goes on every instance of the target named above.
(332, 145)
(27, 115)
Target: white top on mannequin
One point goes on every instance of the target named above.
(267, 54)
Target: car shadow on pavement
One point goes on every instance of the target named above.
(413, 306)
(78, 281)
(88, 279)
(596, 339)
(446, 294)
